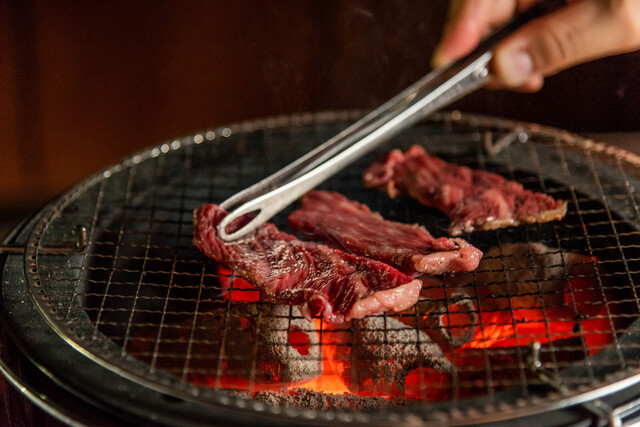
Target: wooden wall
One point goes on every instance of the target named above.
(84, 83)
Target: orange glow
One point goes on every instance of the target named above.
(502, 328)
(242, 290)
(329, 381)
(498, 329)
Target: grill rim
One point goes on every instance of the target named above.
(277, 123)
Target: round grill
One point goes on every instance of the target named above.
(111, 268)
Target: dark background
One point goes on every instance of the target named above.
(84, 83)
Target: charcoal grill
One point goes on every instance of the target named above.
(105, 293)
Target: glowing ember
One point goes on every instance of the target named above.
(489, 328)
(329, 381)
(241, 291)
(299, 340)
(508, 328)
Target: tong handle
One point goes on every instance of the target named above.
(434, 91)
(359, 139)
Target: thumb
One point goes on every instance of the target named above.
(581, 32)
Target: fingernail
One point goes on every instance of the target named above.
(518, 68)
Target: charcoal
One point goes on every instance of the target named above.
(380, 352)
(527, 275)
(274, 344)
(446, 313)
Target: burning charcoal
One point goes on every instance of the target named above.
(446, 313)
(382, 351)
(318, 401)
(274, 344)
(527, 275)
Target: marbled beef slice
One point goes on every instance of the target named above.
(473, 199)
(349, 225)
(318, 278)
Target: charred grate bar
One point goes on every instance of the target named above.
(551, 307)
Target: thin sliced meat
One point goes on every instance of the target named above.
(473, 200)
(320, 279)
(349, 225)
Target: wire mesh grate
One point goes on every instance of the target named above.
(554, 298)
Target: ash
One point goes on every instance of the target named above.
(265, 337)
(382, 351)
(308, 399)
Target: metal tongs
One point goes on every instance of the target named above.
(434, 91)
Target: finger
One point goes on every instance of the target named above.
(581, 32)
(532, 85)
(469, 21)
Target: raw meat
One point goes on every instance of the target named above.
(472, 199)
(320, 279)
(351, 226)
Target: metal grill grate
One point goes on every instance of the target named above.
(549, 310)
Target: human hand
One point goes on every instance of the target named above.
(582, 31)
